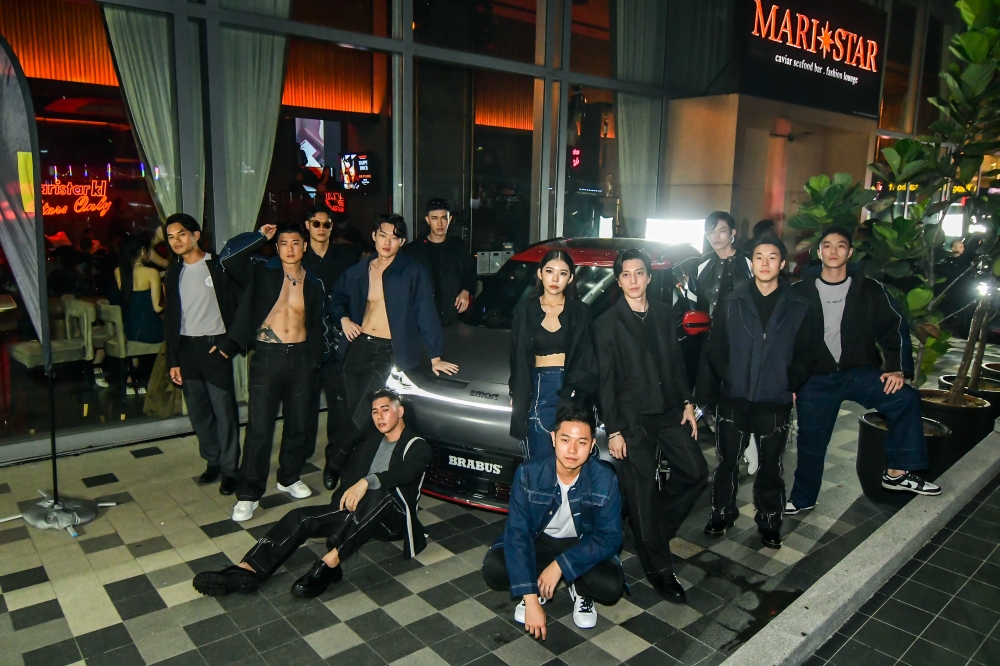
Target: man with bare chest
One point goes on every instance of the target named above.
(281, 315)
(385, 307)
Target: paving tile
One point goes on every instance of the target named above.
(952, 636)
(211, 629)
(127, 655)
(854, 653)
(311, 620)
(149, 546)
(22, 579)
(146, 452)
(333, 640)
(271, 635)
(295, 653)
(141, 604)
(524, 651)
(884, 638)
(372, 624)
(444, 595)
(31, 616)
(13, 534)
(227, 651)
(100, 480)
(433, 628)
(359, 655)
(221, 528)
(58, 654)
(924, 653)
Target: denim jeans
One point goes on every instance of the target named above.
(545, 385)
(818, 404)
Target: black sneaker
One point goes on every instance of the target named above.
(228, 581)
(908, 482)
(315, 582)
(791, 509)
(771, 538)
(210, 474)
(717, 527)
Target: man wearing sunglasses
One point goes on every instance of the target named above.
(448, 261)
(326, 260)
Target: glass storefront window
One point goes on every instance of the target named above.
(333, 144)
(898, 57)
(505, 29)
(590, 38)
(474, 148)
(370, 17)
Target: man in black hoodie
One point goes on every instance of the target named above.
(448, 263)
(377, 500)
(760, 359)
(859, 318)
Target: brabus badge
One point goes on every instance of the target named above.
(484, 394)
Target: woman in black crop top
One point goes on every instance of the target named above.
(552, 358)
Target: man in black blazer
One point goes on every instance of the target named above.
(199, 312)
(649, 417)
(377, 499)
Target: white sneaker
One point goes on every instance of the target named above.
(298, 490)
(519, 610)
(244, 510)
(584, 613)
(791, 509)
(750, 455)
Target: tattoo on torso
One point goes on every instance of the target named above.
(266, 334)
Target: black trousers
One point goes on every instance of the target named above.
(328, 381)
(732, 434)
(366, 368)
(655, 515)
(602, 583)
(280, 375)
(379, 515)
(210, 396)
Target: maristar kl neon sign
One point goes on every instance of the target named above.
(90, 198)
(805, 33)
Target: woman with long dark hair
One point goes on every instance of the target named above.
(552, 357)
(137, 290)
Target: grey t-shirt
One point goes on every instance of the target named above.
(200, 314)
(833, 297)
(380, 463)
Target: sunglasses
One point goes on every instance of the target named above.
(316, 224)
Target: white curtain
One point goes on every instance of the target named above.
(194, 61)
(253, 66)
(640, 59)
(142, 47)
(253, 72)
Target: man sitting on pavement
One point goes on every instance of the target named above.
(380, 486)
(570, 528)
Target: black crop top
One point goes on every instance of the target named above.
(548, 342)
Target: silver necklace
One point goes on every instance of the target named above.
(644, 314)
(294, 281)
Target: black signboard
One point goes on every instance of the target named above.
(826, 55)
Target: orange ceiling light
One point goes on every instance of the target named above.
(329, 77)
(63, 41)
(504, 100)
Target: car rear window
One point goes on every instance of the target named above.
(596, 286)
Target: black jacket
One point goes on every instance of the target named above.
(261, 281)
(870, 317)
(705, 288)
(457, 273)
(757, 365)
(633, 382)
(328, 268)
(406, 470)
(582, 374)
(226, 294)
(409, 306)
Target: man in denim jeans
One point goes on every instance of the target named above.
(564, 521)
(849, 366)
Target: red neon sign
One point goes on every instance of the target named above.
(335, 202)
(90, 198)
(574, 161)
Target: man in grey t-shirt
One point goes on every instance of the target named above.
(833, 297)
(199, 306)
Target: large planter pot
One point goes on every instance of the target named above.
(991, 370)
(870, 462)
(967, 423)
(989, 390)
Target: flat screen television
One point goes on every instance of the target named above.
(355, 172)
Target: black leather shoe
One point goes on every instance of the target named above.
(330, 478)
(210, 474)
(228, 581)
(717, 527)
(771, 538)
(317, 580)
(228, 485)
(669, 588)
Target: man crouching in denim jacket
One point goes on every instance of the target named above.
(564, 521)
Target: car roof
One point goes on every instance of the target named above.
(603, 251)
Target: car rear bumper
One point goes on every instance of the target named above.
(480, 489)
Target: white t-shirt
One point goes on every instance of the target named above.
(833, 297)
(562, 526)
(200, 314)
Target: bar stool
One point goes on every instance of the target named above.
(116, 345)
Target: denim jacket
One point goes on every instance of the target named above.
(535, 497)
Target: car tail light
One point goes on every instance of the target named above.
(696, 322)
